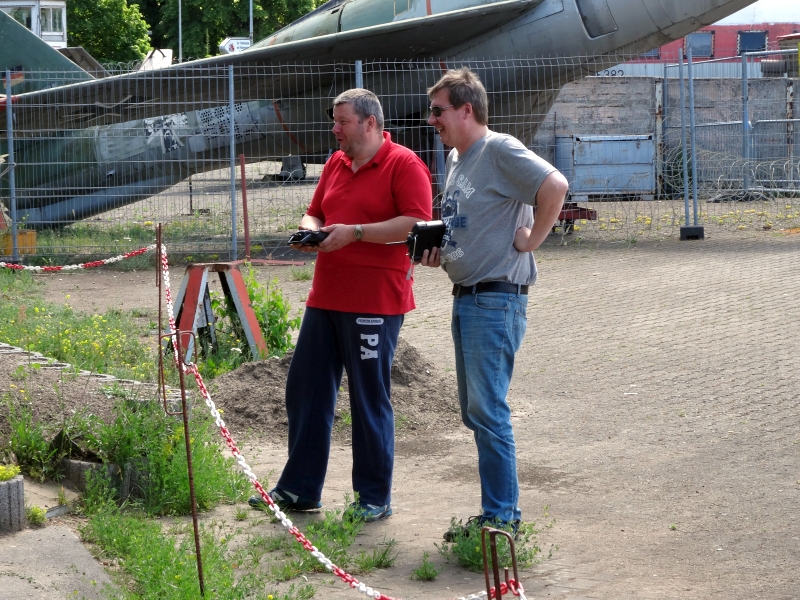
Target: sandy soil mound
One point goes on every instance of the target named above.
(252, 397)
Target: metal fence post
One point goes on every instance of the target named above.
(234, 250)
(745, 126)
(12, 192)
(684, 148)
(692, 133)
(359, 74)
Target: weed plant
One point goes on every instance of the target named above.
(36, 515)
(427, 571)
(382, 557)
(151, 444)
(466, 550)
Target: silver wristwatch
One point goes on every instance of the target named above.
(358, 233)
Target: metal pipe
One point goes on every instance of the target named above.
(692, 132)
(251, 22)
(244, 211)
(12, 191)
(234, 250)
(180, 33)
(745, 126)
(684, 149)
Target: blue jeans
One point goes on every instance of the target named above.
(487, 331)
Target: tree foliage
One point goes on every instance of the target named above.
(110, 30)
(206, 23)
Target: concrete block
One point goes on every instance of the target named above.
(77, 470)
(12, 505)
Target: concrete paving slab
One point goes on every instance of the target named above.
(50, 563)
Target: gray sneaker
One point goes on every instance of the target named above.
(368, 512)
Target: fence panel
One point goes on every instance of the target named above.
(94, 175)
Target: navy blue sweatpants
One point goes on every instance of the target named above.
(363, 345)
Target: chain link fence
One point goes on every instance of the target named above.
(94, 172)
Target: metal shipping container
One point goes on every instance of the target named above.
(607, 166)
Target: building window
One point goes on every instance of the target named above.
(654, 53)
(20, 15)
(51, 20)
(752, 41)
(701, 43)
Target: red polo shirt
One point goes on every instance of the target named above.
(364, 277)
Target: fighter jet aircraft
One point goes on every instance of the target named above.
(117, 143)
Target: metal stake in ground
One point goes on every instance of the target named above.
(178, 348)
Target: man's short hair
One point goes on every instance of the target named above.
(463, 86)
(365, 104)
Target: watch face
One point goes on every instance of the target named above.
(358, 233)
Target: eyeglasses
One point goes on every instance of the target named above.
(437, 111)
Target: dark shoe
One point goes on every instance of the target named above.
(457, 531)
(285, 500)
(369, 512)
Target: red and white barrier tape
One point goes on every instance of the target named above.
(354, 583)
(86, 265)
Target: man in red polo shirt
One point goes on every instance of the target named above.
(371, 192)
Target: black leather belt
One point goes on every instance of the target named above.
(490, 286)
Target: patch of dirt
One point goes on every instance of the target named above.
(52, 393)
(252, 397)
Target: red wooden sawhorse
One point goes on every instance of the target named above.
(193, 302)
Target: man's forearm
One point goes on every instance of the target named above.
(393, 230)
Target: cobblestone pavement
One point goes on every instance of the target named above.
(656, 412)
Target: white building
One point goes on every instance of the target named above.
(45, 18)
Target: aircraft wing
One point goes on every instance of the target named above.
(259, 73)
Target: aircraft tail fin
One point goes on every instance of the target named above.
(34, 65)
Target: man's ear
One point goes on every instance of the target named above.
(467, 110)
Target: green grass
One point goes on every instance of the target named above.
(114, 342)
(109, 343)
(142, 439)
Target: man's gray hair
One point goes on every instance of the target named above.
(365, 104)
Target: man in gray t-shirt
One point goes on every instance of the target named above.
(492, 184)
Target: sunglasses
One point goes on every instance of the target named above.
(437, 111)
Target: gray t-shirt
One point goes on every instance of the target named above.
(489, 194)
